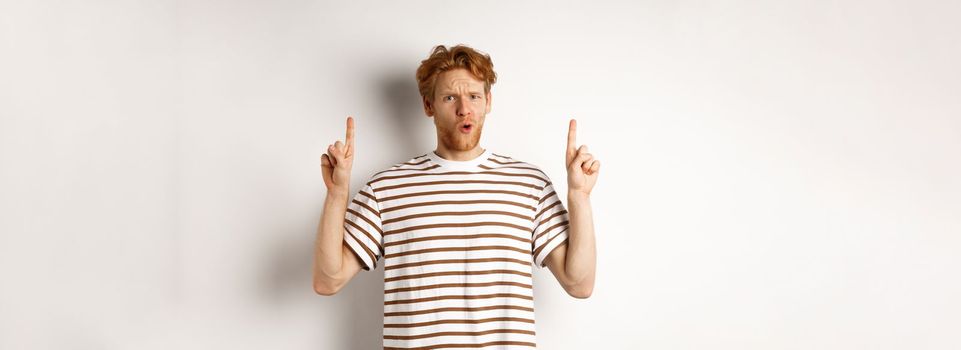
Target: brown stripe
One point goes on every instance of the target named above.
(465, 285)
(559, 224)
(457, 213)
(498, 155)
(481, 345)
(468, 297)
(368, 195)
(455, 224)
(562, 212)
(483, 201)
(455, 321)
(452, 173)
(413, 161)
(546, 209)
(371, 223)
(453, 261)
(365, 206)
(416, 162)
(359, 258)
(441, 334)
(435, 166)
(543, 179)
(549, 195)
(469, 309)
(371, 237)
(429, 193)
(510, 167)
(538, 250)
(373, 259)
(454, 273)
(482, 235)
(427, 183)
(500, 162)
(456, 249)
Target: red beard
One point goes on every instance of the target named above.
(455, 140)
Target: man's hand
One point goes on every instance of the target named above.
(336, 163)
(582, 168)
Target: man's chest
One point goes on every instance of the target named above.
(458, 212)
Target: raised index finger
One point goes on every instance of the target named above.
(350, 132)
(572, 137)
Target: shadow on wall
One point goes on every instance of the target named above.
(356, 313)
(398, 92)
(351, 319)
(364, 295)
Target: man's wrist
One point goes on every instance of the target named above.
(578, 196)
(337, 195)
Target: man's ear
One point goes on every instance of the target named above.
(428, 108)
(488, 108)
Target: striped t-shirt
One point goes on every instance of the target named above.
(458, 239)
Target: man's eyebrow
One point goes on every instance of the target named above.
(449, 92)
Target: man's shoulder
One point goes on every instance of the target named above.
(506, 162)
(414, 163)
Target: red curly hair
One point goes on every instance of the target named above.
(443, 59)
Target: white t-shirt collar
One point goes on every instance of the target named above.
(460, 164)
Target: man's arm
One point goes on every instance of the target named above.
(574, 262)
(334, 263)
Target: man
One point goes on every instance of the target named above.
(458, 227)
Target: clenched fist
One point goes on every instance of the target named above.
(336, 163)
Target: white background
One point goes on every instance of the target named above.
(776, 175)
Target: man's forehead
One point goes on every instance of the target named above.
(459, 79)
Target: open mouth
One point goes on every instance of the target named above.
(466, 127)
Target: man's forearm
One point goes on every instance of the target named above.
(581, 252)
(328, 251)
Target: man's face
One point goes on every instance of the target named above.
(458, 107)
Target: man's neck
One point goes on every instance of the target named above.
(448, 154)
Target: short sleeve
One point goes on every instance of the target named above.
(550, 224)
(363, 231)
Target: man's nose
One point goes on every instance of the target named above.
(463, 108)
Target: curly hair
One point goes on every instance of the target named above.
(443, 59)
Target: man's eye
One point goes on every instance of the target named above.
(476, 96)
(449, 98)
